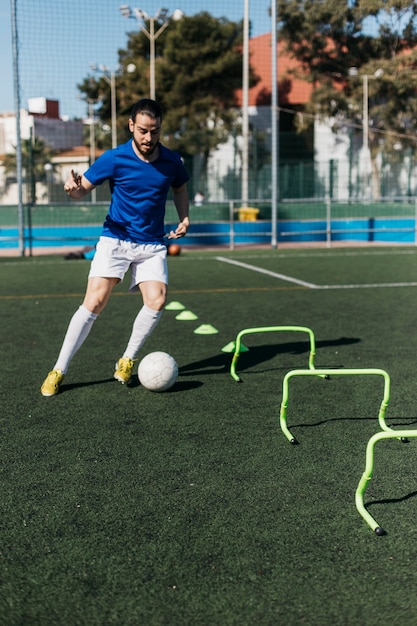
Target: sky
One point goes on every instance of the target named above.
(6, 93)
(53, 64)
(117, 25)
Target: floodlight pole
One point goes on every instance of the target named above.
(91, 115)
(274, 126)
(353, 71)
(245, 105)
(16, 88)
(113, 109)
(152, 34)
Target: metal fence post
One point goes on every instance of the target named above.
(415, 221)
(232, 225)
(328, 222)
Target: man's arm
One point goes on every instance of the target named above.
(77, 186)
(182, 204)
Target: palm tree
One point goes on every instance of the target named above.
(35, 155)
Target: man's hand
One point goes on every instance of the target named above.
(73, 183)
(181, 230)
(77, 186)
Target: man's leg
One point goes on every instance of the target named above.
(96, 298)
(154, 296)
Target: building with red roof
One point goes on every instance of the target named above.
(291, 91)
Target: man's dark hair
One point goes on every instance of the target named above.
(148, 107)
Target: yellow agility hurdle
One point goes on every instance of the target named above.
(386, 431)
(329, 373)
(268, 329)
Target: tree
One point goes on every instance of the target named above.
(198, 70)
(327, 37)
(36, 154)
(201, 72)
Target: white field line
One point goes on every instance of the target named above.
(303, 283)
(366, 286)
(261, 270)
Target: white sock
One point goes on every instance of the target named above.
(144, 324)
(78, 329)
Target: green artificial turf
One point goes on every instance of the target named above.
(124, 507)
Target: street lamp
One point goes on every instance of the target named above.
(110, 78)
(353, 71)
(161, 19)
(245, 106)
(274, 124)
(48, 171)
(91, 123)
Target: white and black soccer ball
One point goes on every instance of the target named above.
(158, 371)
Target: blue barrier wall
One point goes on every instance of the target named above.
(387, 230)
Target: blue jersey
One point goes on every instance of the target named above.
(139, 191)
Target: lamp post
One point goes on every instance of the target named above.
(48, 172)
(365, 113)
(110, 78)
(365, 159)
(91, 115)
(353, 71)
(245, 104)
(274, 126)
(161, 19)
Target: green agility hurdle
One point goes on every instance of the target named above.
(328, 373)
(404, 435)
(269, 329)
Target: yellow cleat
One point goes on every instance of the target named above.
(123, 369)
(51, 383)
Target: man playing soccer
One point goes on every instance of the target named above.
(140, 173)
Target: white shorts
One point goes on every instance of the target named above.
(114, 257)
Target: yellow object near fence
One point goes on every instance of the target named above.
(248, 214)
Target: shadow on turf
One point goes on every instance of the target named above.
(69, 386)
(393, 422)
(256, 355)
(220, 363)
(179, 385)
(408, 496)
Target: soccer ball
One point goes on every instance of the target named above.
(174, 249)
(158, 371)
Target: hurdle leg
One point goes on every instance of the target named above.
(368, 472)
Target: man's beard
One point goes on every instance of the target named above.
(150, 149)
